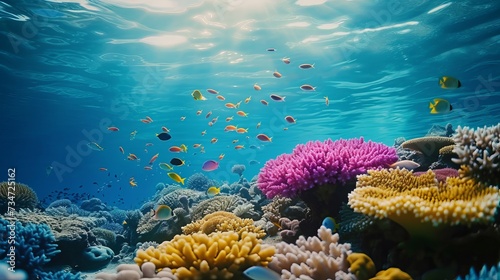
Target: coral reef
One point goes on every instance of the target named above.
(420, 203)
(34, 245)
(218, 203)
(361, 265)
(392, 273)
(478, 152)
(315, 258)
(199, 182)
(322, 174)
(223, 221)
(104, 236)
(133, 271)
(238, 169)
(443, 131)
(60, 203)
(318, 163)
(95, 257)
(93, 204)
(289, 229)
(220, 255)
(24, 196)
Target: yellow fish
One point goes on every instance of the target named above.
(197, 95)
(184, 148)
(174, 176)
(448, 82)
(440, 106)
(213, 190)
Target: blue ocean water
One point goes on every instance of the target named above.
(71, 68)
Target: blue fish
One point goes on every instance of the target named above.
(261, 273)
(330, 223)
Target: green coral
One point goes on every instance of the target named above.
(22, 195)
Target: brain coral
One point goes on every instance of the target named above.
(479, 153)
(412, 200)
(24, 196)
(220, 255)
(317, 163)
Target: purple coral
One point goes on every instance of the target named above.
(317, 163)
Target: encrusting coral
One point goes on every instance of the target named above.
(478, 152)
(361, 265)
(317, 258)
(420, 203)
(223, 221)
(220, 255)
(428, 145)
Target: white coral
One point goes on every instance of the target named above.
(313, 258)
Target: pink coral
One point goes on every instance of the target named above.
(318, 163)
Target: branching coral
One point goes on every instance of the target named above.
(220, 255)
(223, 221)
(132, 271)
(315, 258)
(318, 163)
(478, 151)
(419, 203)
(23, 196)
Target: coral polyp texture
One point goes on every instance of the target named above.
(412, 200)
(22, 195)
(220, 255)
(478, 153)
(317, 258)
(318, 163)
(223, 221)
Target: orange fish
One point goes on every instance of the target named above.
(248, 99)
(149, 119)
(258, 124)
(213, 141)
(264, 138)
(327, 101)
(277, 74)
(153, 158)
(196, 145)
(165, 129)
(203, 132)
(228, 119)
(212, 91)
(286, 60)
(220, 97)
(230, 128)
(264, 102)
(242, 130)
(199, 112)
(221, 156)
(103, 169)
(183, 118)
(256, 87)
(230, 105)
(147, 167)
(241, 113)
(113, 128)
(239, 147)
(175, 149)
(121, 149)
(145, 121)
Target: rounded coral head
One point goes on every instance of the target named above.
(316, 163)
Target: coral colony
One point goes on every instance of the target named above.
(343, 209)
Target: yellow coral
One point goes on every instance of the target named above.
(392, 273)
(223, 255)
(361, 265)
(223, 221)
(419, 203)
